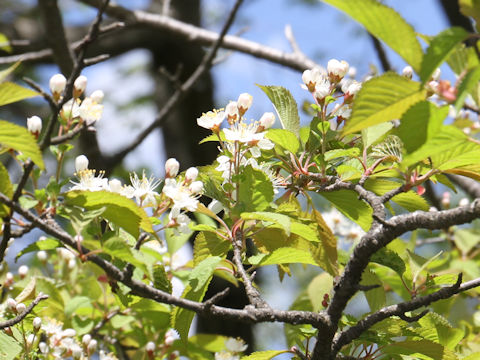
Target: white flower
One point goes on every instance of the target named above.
(171, 168)
(191, 174)
(231, 110)
(43, 348)
(97, 96)
(115, 186)
(69, 333)
(196, 187)
(345, 112)
(92, 346)
(225, 166)
(211, 120)
(71, 109)
(88, 181)
(34, 124)
(86, 339)
(23, 271)
(407, 72)
(337, 69)
(81, 163)
(77, 351)
(351, 87)
(144, 189)
(90, 111)
(79, 85)
(11, 303)
(322, 89)
(57, 84)
(181, 196)
(150, 347)
(179, 222)
(104, 356)
(215, 206)
(37, 323)
(65, 254)
(311, 77)
(42, 255)
(235, 345)
(248, 134)
(244, 102)
(267, 120)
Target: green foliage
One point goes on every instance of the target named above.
(11, 92)
(256, 192)
(9, 347)
(381, 99)
(285, 106)
(385, 24)
(469, 85)
(5, 188)
(19, 139)
(264, 355)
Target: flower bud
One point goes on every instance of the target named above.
(34, 125)
(8, 279)
(115, 185)
(43, 348)
(30, 340)
(57, 85)
(446, 200)
(79, 86)
(81, 163)
(77, 352)
(69, 333)
(37, 324)
(407, 72)
(42, 256)
(191, 174)
(97, 96)
(23, 271)
(336, 69)
(196, 187)
(464, 202)
(171, 168)
(92, 346)
(11, 304)
(267, 120)
(244, 102)
(21, 308)
(231, 110)
(150, 347)
(86, 339)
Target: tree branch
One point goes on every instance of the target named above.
(23, 315)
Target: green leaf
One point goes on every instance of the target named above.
(467, 86)
(371, 134)
(385, 24)
(76, 303)
(5, 45)
(471, 8)
(348, 204)
(389, 258)
(381, 99)
(9, 347)
(339, 153)
(283, 221)
(285, 255)
(264, 355)
(320, 285)
(209, 244)
(209, 342)
(285, 106)
(118, 248)
(420, 123)
(440, 49)
(421, 347)
(256, 190)
(46, 244)
(436, 328)
(462, 58)
(284, 138)
(11, 92)
(201, 273)
(466, 239)
(418, 263)
(8, 71)
(376, 298)
(160, 279)
(80, 218)
(118, 209)
(6, 189)
(326, 254)
(21, 140)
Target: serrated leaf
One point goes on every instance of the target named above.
(466, 240)
(46, 244)
(348, 204)
(11, 92)
(283, 221)
(285, 106)
(21, 140)
(376, 298)
(424, 347)
(53, 306)
(338, 153)
(462, 58)
(389, 258)
(285, 138)
(436, 328)
(201, 273)
(326, 254)
(440, 49)
(264, 355)
(9, 347)
(209, 244)
(118, 209)
(80, 218)
(381, 99)
(420, 123)
(256, 190)
(285, 255)
(371, 134)
(418, 263)
(471, 8)
(6, 189)
(160, 279)
(385, 24)
(467, 86)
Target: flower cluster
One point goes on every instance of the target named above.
(323, 84)
(234, 347)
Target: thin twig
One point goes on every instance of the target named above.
(23, 315)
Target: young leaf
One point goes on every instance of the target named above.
(209, 244)
(283, 221)
(286, 255)
(46, 244)
(425, 347)
(285, 106)
(376, 298)
(11, 92)
(264, 355)
(467, 86)
(439, 50)
(118, 209)
(20, 139)
(284, 138)
(8, 71)
(160, 279)
(202, 272)
(326, 254)
(256, 190)
(387, 25)
(381, 99)
(389, 258)
(5, 188)
(9, 347)
(320, 285)
(118, 248)
(338, 153)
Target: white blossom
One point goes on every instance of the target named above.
(464, 202)
(311, 77)
(150, 347)
(407, 72)
(81, 163)
(79, 85)
(171, 168)
(196, 187)
(21, 308)
(337, 69)
(34, 124)
(89, 181)
(144, 189)
(57, 84)
(231, 111)
(181, 196)
(71, 109)
(42, 255)
(351, 87)
(211, 120)
(267, 120)
(23, 271)
(225, 355)
(436, 74)
(235, 345)
(191, 174)
(37, 323)
(322, 89)
(97, 96)
(90, 111)
(244, 102)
